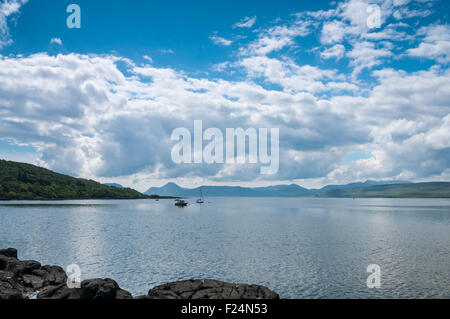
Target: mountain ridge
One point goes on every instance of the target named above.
(292, 190)
(21, 181)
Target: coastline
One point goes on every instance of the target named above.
(25, 279)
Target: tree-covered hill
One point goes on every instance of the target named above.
(19, 181)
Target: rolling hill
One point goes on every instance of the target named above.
(419, 190)
(19, 181)
(367, 183)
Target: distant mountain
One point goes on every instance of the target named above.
(114, 185)
(172, 189)
(419, 190)
(367, 183)
(19, 181)
(393, 189)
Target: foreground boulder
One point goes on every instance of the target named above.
(209, 289)
(46, 276)
(29, 275)
(20, 277)
(89, 289)
(9, 252)
(9, 289)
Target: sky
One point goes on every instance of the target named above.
(354, 97)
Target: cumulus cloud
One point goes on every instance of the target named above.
(106, 116)
(435, 45)
(88, 118)
(366, 55)
(337, 52)
(333, 32)
(288, 74)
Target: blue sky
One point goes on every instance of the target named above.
(352, 101)
(135, 27)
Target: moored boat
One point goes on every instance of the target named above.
(180, 203)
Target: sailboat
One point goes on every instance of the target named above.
(200, 200)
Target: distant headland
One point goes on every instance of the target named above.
(20, 181)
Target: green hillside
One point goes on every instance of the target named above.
(19, 181)
(419, 190)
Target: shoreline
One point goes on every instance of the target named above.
(193, 198)
(21, 278)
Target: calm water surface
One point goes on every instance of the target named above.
(301, 248)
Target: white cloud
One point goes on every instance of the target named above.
(8, 8)
(365, 55)
(333, 32)
(246, 22)
(287, 74)
(407, 13)
(167, 51)
(87, 118)
(275, 39)
(435, 45)
(337, 52)
(220, 41)
(56, 41)
(149, 59)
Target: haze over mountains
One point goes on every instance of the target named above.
(293, 190)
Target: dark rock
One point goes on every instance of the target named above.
(30, 276)
(6, 276)
(99, 289)
(9, 252)
(7, 262)
(32, 281)
(26, 267)
(89, 289)
(123, 294)
(9, 293)
(17, 266)
(59, 292)
(9, 289)
(51, 275)
(209, 289)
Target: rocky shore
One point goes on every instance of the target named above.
(19, 279)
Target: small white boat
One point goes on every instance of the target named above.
(200, 200)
